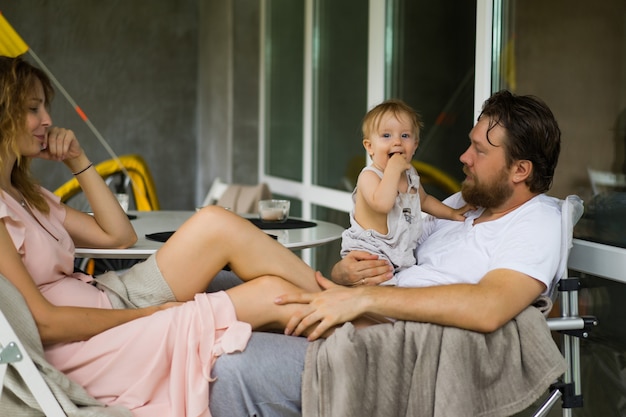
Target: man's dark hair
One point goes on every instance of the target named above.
(532, 133)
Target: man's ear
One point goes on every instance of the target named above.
(522, 170)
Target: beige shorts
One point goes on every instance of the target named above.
(142, 285)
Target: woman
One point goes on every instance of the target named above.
(120, 336)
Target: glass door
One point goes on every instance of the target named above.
(326, 62)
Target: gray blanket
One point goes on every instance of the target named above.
(17, 400)
(418, 369)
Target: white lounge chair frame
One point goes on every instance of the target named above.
(12, 352)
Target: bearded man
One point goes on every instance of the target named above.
(475, 275)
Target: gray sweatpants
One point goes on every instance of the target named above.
(263, 380)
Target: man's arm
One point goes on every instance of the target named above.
(484, 307)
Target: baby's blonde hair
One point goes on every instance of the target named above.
(371, 121)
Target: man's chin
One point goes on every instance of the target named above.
(472, 196)
(487, 198)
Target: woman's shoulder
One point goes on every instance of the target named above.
(7, 205)
(57, 210)
(49, 195)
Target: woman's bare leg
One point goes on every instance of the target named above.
(215, 237)
(254, 302)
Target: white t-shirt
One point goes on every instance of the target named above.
(527, 240)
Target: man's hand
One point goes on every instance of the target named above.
(327, 309)
(361, 268)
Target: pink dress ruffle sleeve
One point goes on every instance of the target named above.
(158, 365)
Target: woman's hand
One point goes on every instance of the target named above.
(61, 145)
(108, 227)
(327, 309)
(361, 268)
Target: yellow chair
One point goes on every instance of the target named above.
(141, 181)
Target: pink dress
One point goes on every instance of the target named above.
(158, 365)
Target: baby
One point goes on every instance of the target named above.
(388, 200)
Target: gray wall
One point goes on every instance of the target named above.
(156, 78)
(228, 87)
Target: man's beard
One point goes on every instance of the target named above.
(487, 195)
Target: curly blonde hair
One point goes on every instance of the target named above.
(18, 78)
